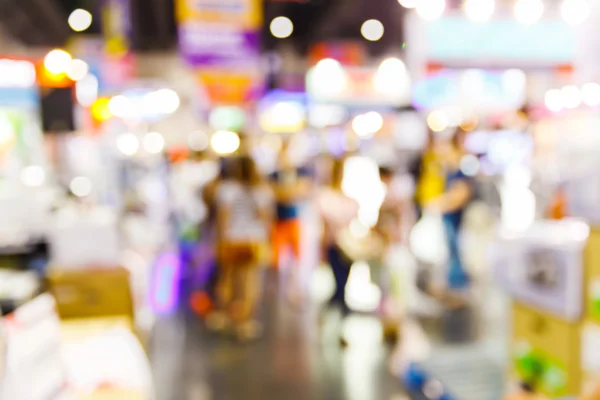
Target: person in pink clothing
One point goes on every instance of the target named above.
(337, 211)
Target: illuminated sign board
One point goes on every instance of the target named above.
(475, 89)
(356, 86)
(502, 42)
(17, 74)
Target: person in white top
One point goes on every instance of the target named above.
(243, 208)
(389, 228)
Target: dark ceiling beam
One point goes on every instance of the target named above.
(154, 26)
(54, 20)
(161, 13)
(35, 22)
(18, 23)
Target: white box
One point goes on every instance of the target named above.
(83, 238)
(543, 266)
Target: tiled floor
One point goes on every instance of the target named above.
(294, 361)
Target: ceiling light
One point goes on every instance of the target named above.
(408, 3)
(33, 176)
(327, 78)
(571, 96)
(128, 144)
(528, 11)
(590, 93)
(80, 20)
(553, 100)
(372, 30)
(391, 78)
(431, 10)
(368, 124)
(198, 141)
(86, 90)
(437, 121)
(81, 186)
(57, 61)
(575, 12)
(154, 142)
(479, 10)
(281, 27)
(166, 101)
(225, 142)
(121, 106)
(78, 70)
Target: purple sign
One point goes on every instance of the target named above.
(117, 19)
(209, 45)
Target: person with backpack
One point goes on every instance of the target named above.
(243, 212)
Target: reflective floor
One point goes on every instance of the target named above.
(296, 359)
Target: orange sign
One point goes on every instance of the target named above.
(229, 87)
(347, 53)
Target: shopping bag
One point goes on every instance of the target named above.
(428, 240)
(401, 270)
(359, 248)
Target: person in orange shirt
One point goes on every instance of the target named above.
(291, 184)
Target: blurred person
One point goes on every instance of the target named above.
(337, 211)
(202, 299)
(457, 195)
(389, 222)
(291, 185)
(428, 175)
(389, 229)
(243, 212)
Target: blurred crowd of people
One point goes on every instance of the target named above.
(255, 220)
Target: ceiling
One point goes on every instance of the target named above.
(44, 22)
(33, 22)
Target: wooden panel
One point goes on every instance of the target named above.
(553, 340)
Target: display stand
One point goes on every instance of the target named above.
(551, 271)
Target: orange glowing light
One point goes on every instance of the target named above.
(178, 154)
(469, 125)
(53, 80)
(200, 303)
(100, 111)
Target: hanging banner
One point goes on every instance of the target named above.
(220, 39)
(214, 45)
(116, 26)
(117, 66)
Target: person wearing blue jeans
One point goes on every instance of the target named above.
(457, 277)
(451, 204)
(340, 267)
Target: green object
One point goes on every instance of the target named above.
(595, 309)
(190, 233)
(540, 370)
(530, 367)
(228, 119)
(554, 379)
